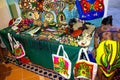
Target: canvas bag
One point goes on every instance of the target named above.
(108, 56)
(17, 48)
(84, 68)
(90, 9)
(62, 64)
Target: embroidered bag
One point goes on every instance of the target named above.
(17, 47)
(90, 9)
(84, 68)
(62, 64)
(108, 56)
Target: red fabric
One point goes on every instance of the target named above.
(11, 22)
(24, 60)
(76, 33)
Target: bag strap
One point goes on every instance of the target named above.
(16, 42)
(83, 50)
(64, 53)
(12, 41)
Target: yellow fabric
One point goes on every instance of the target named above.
(107, 74)
(100, 52)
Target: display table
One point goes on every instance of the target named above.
(40, 51)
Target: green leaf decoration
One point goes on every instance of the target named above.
(106, 49)
(115, 66)
(118, 61)
(119, 49)
(57, 69)
(62, 64)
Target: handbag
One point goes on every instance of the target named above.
(83, 68)
(90, 9)
(62, 64)
(17, 48)
(108, 57)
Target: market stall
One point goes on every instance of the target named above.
(44, 25)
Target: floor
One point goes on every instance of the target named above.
(13, 72)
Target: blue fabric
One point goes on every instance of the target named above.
(92, 59)
(96, 22)
(88, 15)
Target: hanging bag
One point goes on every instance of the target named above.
(90, 9)
(62, 64)
(84, 68)
(16, 46)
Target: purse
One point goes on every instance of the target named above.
(90, 9)
(83, 68)
(62, 64)
(17, 48)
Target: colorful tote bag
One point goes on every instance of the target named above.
(108, 56)
(17, 48)
(90, 9)
(83, 67)
(62, 64)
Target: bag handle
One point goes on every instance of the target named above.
(64, 53)
(12, 41)
(83, 50)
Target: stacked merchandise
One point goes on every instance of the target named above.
(60, 19)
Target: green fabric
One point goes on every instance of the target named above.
(40, 51)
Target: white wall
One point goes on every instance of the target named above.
(4, 14)
(106, 7)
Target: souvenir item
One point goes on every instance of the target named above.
(23, 4)
(83, 67)
(108, 56)
(55, 7)
(39, 6)
(46, 5)
(49, 17)
(33, 31)
(25, 60)
(33, 15)
(17, 48)
(32, 5)
(61, 17)
(27, 4)
(76, 33)
(61, 5)
(30, 15)
(16, 23)
(62, 64)
(11, 21)
(71, 5)
(90, 9)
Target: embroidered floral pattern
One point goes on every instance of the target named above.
(61, 65)
(83, 69)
